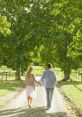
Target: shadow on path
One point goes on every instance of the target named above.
(33, 112)
(61, 83)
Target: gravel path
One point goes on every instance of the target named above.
(4, 100)
(18, 107)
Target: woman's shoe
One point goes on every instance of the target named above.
(29, 106)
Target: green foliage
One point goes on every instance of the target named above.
(47, 30)
(64, 36)
(4, 25)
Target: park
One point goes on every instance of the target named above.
(34, 33)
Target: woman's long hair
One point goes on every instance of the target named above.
(29, 70)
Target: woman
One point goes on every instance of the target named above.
(30, 85)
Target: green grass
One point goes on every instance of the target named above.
(5, 68)
(7, 87)
(73, 90)
(38, 70)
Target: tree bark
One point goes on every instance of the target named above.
(17, 74)
(67, 74)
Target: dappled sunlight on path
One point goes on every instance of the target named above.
(18, 102)
(19, 108)
(33, 112)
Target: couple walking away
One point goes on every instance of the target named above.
(48, 79)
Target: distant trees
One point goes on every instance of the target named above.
(48, 29)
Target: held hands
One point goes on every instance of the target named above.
(24, 85)
(39, 83)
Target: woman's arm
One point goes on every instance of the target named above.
(25, 79)
(36, 80)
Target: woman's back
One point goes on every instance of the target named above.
(30, 79)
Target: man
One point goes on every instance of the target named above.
(49, 80)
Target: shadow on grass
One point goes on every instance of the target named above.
(70, 82)
(10, 84)
(78, 86)
(74, 83)
(33, 112)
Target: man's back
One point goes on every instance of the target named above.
(49, 78)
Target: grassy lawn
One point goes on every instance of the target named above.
(73, 90)
(38, 70)
(7, 87)
(11, 84)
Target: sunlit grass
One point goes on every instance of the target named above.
(73, 90)
(7, 87)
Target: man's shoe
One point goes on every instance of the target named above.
(47, 108)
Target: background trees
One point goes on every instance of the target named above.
(48, 29)
(62, 36)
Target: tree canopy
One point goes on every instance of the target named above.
(50, 29)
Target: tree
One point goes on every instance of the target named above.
(14, 52)
(4, 25)
(49, 27)
(20, 44)
(58, 46)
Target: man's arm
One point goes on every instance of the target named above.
(42, 77)
(55, 80)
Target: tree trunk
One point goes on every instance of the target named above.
(66, 74)
(17, 74)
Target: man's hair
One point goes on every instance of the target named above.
(49, 65)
